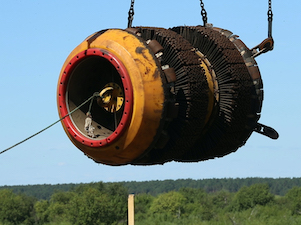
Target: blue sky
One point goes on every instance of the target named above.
(36, 38)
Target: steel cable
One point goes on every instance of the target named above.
(91, 98)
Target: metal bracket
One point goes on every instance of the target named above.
(265, 46)
(267, 131)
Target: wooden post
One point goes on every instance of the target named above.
(131, 210)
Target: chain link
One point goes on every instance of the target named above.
(131, 14)
(270, 19)
(203, 13)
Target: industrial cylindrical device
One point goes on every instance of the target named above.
(182, 94)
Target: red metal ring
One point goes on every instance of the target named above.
(128, 93)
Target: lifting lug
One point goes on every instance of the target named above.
(265, 46)
(267, 131)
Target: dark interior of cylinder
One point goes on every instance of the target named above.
(91, 75)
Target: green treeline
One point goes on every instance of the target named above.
(40, 191)
(278, 186)
(106, 203)
(95, 203)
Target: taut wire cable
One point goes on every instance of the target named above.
(91, 98)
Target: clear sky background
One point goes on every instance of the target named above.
(36, 38)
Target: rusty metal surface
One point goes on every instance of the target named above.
(236, 115)
(155, 46)
(190, 94)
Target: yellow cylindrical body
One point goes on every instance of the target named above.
(147, 97)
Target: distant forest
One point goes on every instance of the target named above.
(249, 201)
(278, 186)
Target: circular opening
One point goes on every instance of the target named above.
(89, 72)
(91, 75)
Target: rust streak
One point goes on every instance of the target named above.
(140, 50)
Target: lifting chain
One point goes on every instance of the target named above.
(131, 14)
(267, 44)
(270, 19)
(203, 13)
